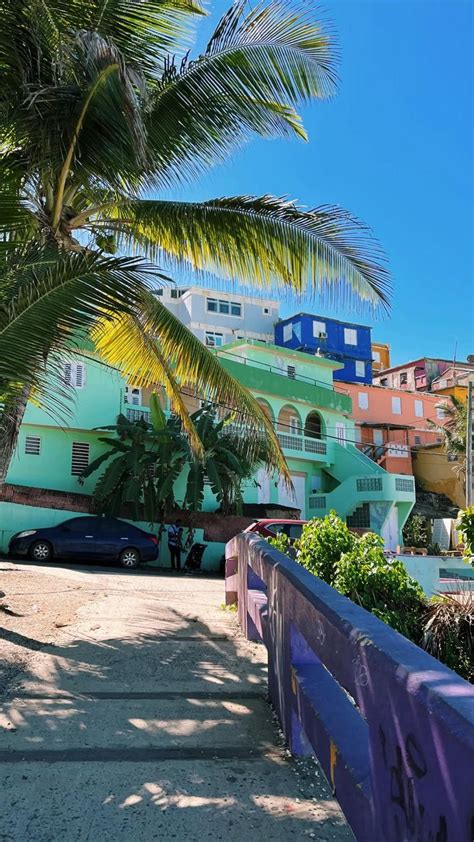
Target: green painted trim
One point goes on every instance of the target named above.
(260, 380)
(281, 351)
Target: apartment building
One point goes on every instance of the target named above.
(380, 357)
(419, 375)
(218, 318)
(344, 342)
(390, 422)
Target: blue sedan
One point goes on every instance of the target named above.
(93, 538)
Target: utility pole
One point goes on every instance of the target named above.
(469, 443)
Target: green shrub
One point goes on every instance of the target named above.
(465, 525)
(448, 632)
(281, 542)
(414, 532)
(321, 545)
(381, 585)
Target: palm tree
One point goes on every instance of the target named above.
(453, 430)
(96, 115)
(228, 459)
(144, 461)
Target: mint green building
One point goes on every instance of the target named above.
(296, 391)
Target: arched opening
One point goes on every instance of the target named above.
(266, 408)
(289, 421)
(313, 427)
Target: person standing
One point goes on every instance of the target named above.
(175, 537)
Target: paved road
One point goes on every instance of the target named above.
(147, 720)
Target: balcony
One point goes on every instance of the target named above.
(308, 448)
(263, 377)
(367, 489)
(137, 413)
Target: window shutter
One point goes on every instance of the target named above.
(68, 374)
(80, 375)
(291, 371)
(80, 457)
(33, 445)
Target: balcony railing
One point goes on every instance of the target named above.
(137, 413)
(302, 444)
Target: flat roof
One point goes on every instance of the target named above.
(425, 359)
(324, 319)
(289, 352)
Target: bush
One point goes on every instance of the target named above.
(381, 585)
(321, 545)
(281, 542)
(465, 525)
(448, 632)
(414, 532)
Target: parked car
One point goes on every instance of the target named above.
(272, 526)
(94, 538)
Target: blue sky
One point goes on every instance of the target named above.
(395, 148)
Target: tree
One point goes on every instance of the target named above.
(144, 461)
(453, 431)
(229, 457)
(96, 113)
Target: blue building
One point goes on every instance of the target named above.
(344, 342)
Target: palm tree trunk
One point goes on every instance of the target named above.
(10, 423)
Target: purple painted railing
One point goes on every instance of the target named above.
(391, 726)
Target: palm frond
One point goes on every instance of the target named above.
(260, 241)
(259, 64)
(56, 297)
(140, 353)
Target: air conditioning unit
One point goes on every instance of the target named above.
(322, 335)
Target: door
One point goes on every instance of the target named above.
(263, 480)
(285, 498)
(77, 538)
(341, 433)
(390, 529)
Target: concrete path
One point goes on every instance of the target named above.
(148, 720)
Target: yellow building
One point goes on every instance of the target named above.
(435, 472)
(454, 381)
(380, 356)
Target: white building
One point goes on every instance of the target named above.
(218, 318)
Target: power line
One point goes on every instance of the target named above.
(278, 424)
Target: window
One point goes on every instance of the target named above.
(133, 395)
(360, 368)
(397, 406)
(403, 378)
(376, 356)
(294, 425)
(357, 434)
(174, 293)
(291, 371)
(384, 381)
(287, 332)
(266, 311)
(441, 413)
(159, 291)
(75, 375)
(214, 340)
(33, 445)
(318, 327)
(363, 400)
(417, 439)
(419, 409)
(80, 457)
(226, 308)
(350, 336)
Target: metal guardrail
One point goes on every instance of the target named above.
(274, 369)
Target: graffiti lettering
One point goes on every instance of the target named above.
(414, 824)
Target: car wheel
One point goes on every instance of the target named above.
(41, 551)
(130, 558)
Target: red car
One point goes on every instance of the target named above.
(273, 526)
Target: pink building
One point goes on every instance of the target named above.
(389, 422)
(417, 374)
